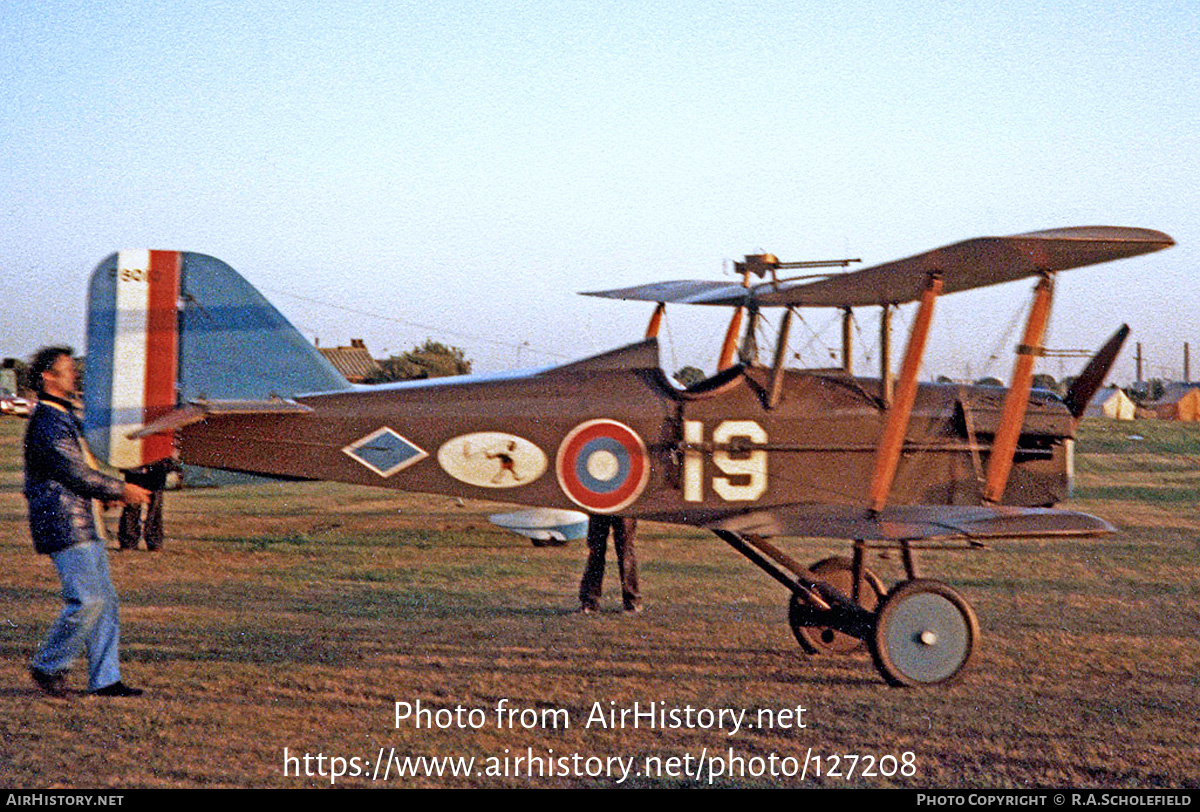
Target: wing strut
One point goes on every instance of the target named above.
(656, 320)
(755, 264)
(1004, 446)
(748, 354)
(729, 346)
(891, 443)
(885, 354)
(785, 330)
(847, 340)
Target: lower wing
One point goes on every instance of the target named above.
(913, 523)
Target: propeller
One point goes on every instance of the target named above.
(1093, 375)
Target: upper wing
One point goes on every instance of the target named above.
(913, 523)
(683, 291)
(974, 263)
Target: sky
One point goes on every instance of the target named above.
(395, 171)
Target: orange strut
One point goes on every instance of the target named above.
(1004, 446)
(887, 457)
(729, 348)
(656, 320)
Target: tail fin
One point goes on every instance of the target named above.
(168, 326)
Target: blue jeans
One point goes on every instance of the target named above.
(89, 617)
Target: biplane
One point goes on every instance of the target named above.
(186, 358)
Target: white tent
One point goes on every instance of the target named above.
(1112, 403)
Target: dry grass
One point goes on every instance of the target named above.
(296, 615)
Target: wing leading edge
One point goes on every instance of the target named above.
(914, 523)
(965, 265)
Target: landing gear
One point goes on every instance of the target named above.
(806, 620)
(921, 633)
(925, 633)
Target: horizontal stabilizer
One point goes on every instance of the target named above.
(974, 263)
(914, 523)
(200, 410)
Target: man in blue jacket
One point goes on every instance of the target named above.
(64, 490)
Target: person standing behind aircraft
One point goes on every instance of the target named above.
(132, 529)
(63, 488)
(624, 537)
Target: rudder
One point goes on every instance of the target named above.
(165, 327)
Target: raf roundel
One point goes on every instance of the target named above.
(602, 466)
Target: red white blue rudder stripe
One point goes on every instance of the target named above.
(602, 466)
(133, 354)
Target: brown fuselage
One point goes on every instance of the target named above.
(715, 448)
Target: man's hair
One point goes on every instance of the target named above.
(43, 359)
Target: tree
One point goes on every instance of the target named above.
(432, 359)
(1155, 389)
(989, 382)
(1043, 381)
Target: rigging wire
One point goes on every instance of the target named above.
(666, 324)
(871, 346)
(1006, 336)
(409, 323)
(815, 337)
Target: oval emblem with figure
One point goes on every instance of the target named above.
(492, 459)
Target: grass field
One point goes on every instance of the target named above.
(295, 616)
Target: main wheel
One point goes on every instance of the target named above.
(925, 633)
(805, 619)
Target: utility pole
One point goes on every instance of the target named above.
(1139, 362)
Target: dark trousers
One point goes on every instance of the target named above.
(132, 529)
(624, 538)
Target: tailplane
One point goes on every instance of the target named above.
(166, 327)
